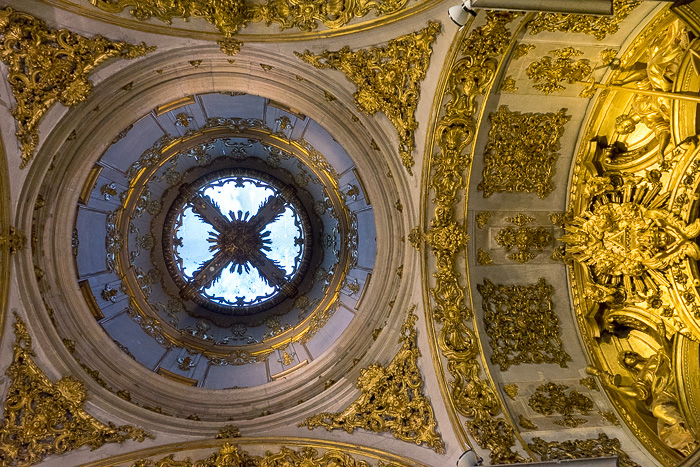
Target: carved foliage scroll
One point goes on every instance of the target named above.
(43, 417)
(521, 152)
(597, 26)
(521, 324)
(391, 399)
(231, 456)
(47, 66)
(602, 446)
(473, 396)
(387, 78)
(229, 17)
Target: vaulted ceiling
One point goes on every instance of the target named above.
(436, 171)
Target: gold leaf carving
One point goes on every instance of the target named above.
(482, 218)
(47, 66)
(521, 324)
(483, 257)
(15, 240)
(45, 418)
(521, 50)
(521, 152)
(508, 85)
(229, 17)
(551, 399)
(388, 79)
(597, 26)
(526, 423)
(231, 456)
(473, 397)
(525, 239)
(602, 446)
(547, 72)
(391, 399)
(511, 389)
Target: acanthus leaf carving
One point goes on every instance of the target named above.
(43, 417)
(388, 79)
(47, 66)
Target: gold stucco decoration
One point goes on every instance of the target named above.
(232, 456)
(230, 16)
(46, 66)
(521, 152)
(15, 240)
(472, 393)
(391, 399)
(521, 324)
(552, 398)
(528, 241)
(602, 446)
(596, 26)
(388, 79)
(45, 418)
(547, 73)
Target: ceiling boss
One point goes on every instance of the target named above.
(631, 240)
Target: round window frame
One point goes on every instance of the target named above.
(287, 192)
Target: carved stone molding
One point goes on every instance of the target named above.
(391, 399)
(47, 66)
(44, 418)
(521, 324)
(388, 79)
(521, 152)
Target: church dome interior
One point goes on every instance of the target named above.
(348, 233)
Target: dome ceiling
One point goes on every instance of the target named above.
(342, 233)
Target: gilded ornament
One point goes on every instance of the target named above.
(46, 66)
(589, 382)
(183, 120)
(547, 73)
(391, 399)
(521, 324)
(526, 423)
(508, 84)
(482, 218)
(230, 46)
(43, 418)
(415, 238)
(522, 50)
(655, 386)
(551, 398)
(521, 152)
(597, 26)
(265, 67)
(658, 73)
(483, 257)
(520, 220)
(602, 446)
(610, 417)
(228, 431)
(528, 241)
(230, 17)
(231, 456)
(388, 79)
(607, 56)
(472, 394)
(15, 240)
(511, 389)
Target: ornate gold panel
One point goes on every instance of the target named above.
(630, 240)
(47, 66)
(391, 399)
(44, 418)
(602, 446)
(388, 79)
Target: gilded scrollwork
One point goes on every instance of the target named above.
(602, 446)
(230, 17)
(552, 398)
(47, 66)
(388, 79)
(597, 26)
(521, 324)
(529, 241)
(472, 394)
(521, 152)
(232, 456)
(45, 418)
(391, 399)
(547, 73)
